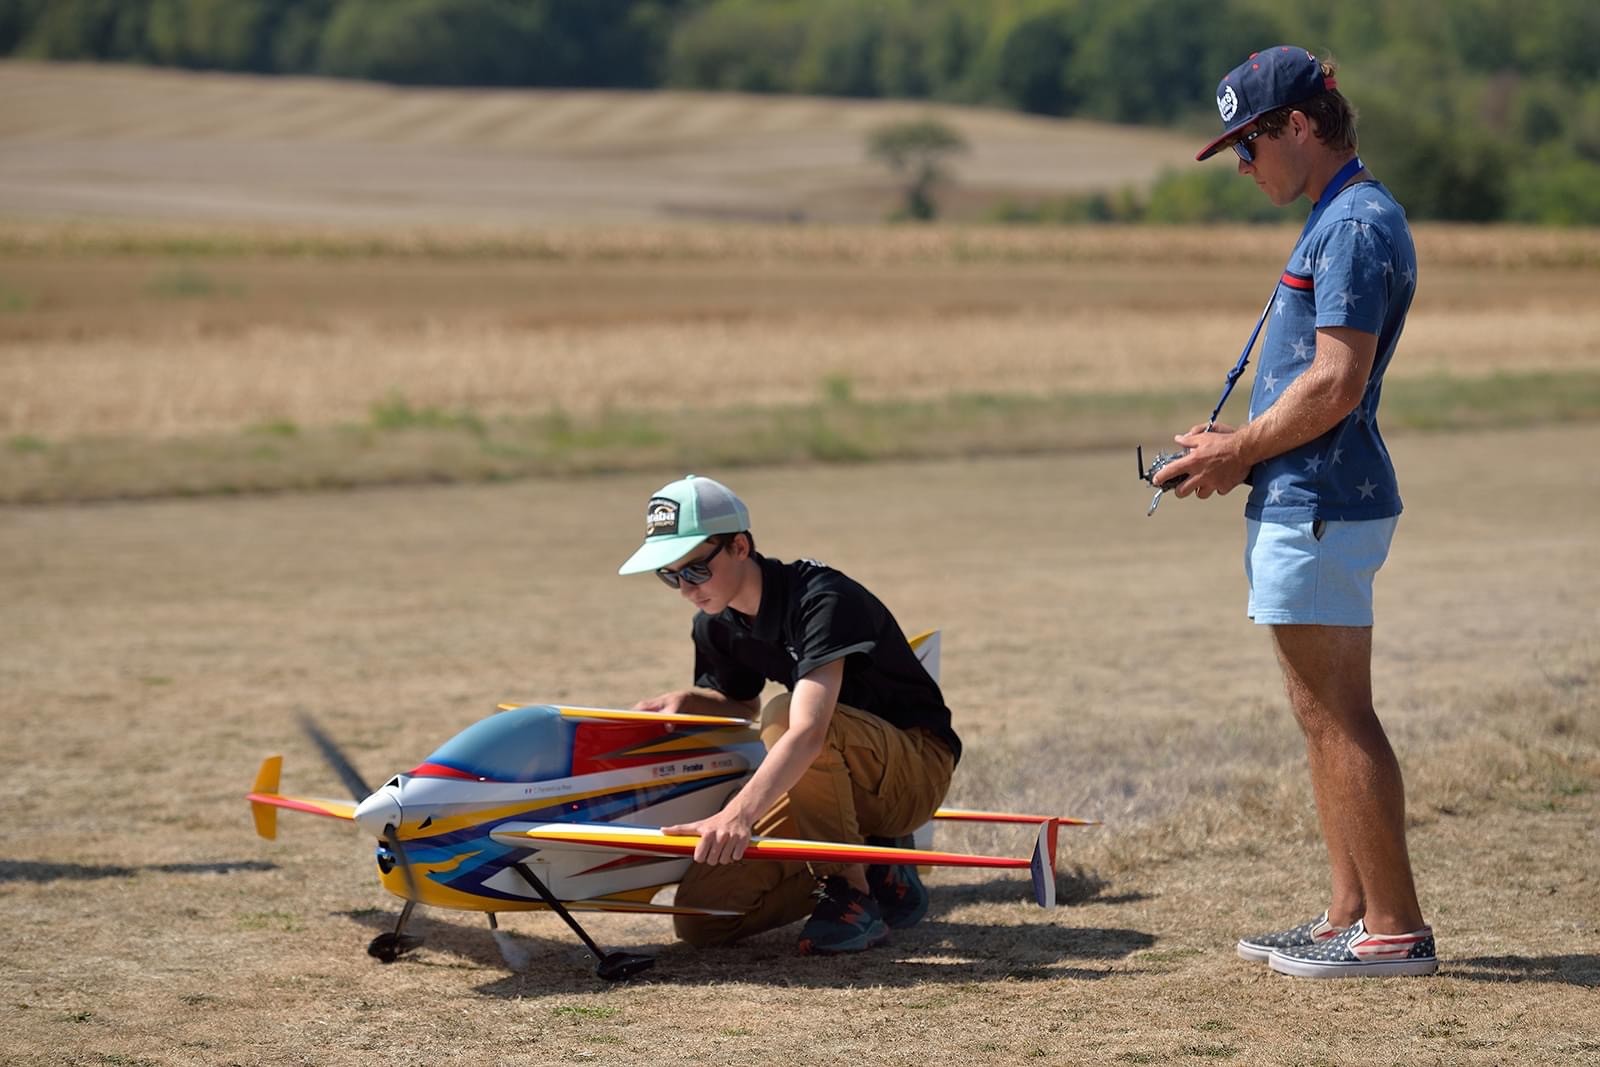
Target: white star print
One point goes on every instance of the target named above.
(1274, 493)
(1366, 489)
(1377, 207)
(1323, 261)
(1303, 349)
(1270, 381)
(1348, 298)
(1410, 275)
(1338, 454)
(1280, 304)
(1388, 268)
(1314, 464)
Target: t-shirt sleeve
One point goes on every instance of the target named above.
(717, 668)
(1354, 268)
(833, 624)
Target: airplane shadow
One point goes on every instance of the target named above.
(40, 871)
(1075, 887)
(1578, 969)
(934, 951)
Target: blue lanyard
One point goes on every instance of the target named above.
(1329, 191)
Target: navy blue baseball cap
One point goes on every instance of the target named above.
(1274, 77)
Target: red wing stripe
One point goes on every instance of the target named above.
(966, 815)
(333, 809)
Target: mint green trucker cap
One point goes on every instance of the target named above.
(682, 515)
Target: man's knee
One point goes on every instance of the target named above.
(706, 931)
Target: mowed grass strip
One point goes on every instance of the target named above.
(403, 443)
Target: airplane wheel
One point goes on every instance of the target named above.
(388, 947)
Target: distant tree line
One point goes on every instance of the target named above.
(1471, 109)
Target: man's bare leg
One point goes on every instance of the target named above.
(1356, 779)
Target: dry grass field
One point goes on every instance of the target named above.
(212, 284)
(102, 339)
(1098, 662)
(125, 142)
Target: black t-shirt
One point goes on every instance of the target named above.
(811, 615)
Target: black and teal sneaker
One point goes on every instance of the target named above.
(898, 888)
(844, 921)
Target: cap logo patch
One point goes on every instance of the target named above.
(1228, 104)
(661, 517)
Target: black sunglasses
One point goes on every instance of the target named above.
(1242, 149)
(696, 573)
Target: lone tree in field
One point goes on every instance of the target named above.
(915, 150)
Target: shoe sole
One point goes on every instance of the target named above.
(1354, 969)
(1253, 953)
(860, 944)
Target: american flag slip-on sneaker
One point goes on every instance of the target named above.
(1312, 932)
(1359, 954)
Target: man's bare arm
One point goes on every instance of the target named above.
(1311, 406)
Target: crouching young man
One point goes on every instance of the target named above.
(859, 745)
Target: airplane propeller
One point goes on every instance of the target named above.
(389, 946)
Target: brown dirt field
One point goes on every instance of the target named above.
(124, 142)
(1099, 664)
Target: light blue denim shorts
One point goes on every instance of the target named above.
(1314, 573)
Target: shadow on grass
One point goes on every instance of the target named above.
(1579, 969)
(40, 871)
(934, 952)
(1076, 887)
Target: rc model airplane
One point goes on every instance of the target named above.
(542, 806)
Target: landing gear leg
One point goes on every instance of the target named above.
(388, 947)
(612, 966)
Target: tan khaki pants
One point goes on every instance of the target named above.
(871, 778)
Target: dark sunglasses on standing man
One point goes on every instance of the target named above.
(1242, 149)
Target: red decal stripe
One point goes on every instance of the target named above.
(439, 770)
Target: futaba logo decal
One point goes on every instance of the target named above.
(1228, 104)
(661, 517)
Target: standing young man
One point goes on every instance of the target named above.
(1323, 503)
(859, 746)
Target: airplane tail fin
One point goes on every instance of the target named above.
(266, 815)
(1043, 866)
(926, 646)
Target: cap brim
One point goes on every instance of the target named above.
(660, 552)
(1232, 131)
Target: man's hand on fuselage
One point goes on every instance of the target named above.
(725, 835)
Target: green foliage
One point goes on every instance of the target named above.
(189, 282)
(1200, 195)
(1034, 60)
(915, 150)
(395, 412)
(1470, 109)
(225, 34)
(1208, 194)
(736, 48)
(496, 42)
(16, 300)
(436, 42)
(79, 29)
(1558, 189)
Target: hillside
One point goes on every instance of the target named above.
(135, 143)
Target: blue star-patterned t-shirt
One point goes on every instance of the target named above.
(1355, 267)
